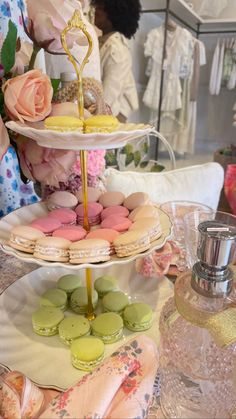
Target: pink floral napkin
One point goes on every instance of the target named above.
(170, 259)
(121, 387)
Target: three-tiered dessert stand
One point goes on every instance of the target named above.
(79, 142)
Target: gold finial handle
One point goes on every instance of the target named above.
(77, 23)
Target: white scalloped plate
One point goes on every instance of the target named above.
(41, 358)
(25, 215)
(74, 140)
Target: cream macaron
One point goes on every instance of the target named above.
(150, 224)
(24, 238)
(90, 250)
(52, 249)
(144, 211)
(135, 200)
(93, 194)
(112, 198)
(61, 199)
(131, 243)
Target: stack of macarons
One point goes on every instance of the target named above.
(75, 331)
(120, 225)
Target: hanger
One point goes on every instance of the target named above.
(171, 25)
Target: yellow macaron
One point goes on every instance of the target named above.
(64, 123)
(101, 123)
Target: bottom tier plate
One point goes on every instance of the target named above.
(45, 360)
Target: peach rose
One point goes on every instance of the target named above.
(28, 97)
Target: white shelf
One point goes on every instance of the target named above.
(218, 25)
(188, 15)
(178, 7)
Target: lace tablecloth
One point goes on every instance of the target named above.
(12, 269)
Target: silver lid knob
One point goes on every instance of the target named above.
(217, 243)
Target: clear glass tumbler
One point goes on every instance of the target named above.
(177, 210)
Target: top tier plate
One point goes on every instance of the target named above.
(74, 140)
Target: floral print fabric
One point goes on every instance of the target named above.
(13, 192)
(121, 387)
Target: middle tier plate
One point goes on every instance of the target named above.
(75, 140)
(25, 215)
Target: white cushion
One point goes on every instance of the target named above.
(200, 183)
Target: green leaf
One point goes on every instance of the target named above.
(157, 168)
(9, 48)
(145, 148)
(129, 158)
(110, 158)
(137, 158)
(127, 149)
(143, 164)
(55, 84)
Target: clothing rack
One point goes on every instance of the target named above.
(197, 31)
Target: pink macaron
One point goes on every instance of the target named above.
(72, 233)
(65, 215)
(116, 223)
(105, 234)
(94, 213)
(116, 210)
(46, 224)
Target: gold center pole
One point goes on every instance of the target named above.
(90, 313)
(76, 22)
(83, 164)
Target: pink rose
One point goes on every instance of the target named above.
(48, 18)
(28, 97)
(46, 165)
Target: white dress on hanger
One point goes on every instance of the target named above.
(177, 65)
(220, 67)
(214, 69)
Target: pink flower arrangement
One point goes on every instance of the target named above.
(95, 163)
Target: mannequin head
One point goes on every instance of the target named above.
(117, 15)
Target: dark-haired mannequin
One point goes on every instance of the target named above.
(116, 66)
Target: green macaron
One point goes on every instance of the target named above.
(79, 300)
(108, 327)
(115, 301)
(46, 320)
(69, 283)
(54, 298)
(105, 284)
(73, 327)
(87, 352)
(138, 317)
